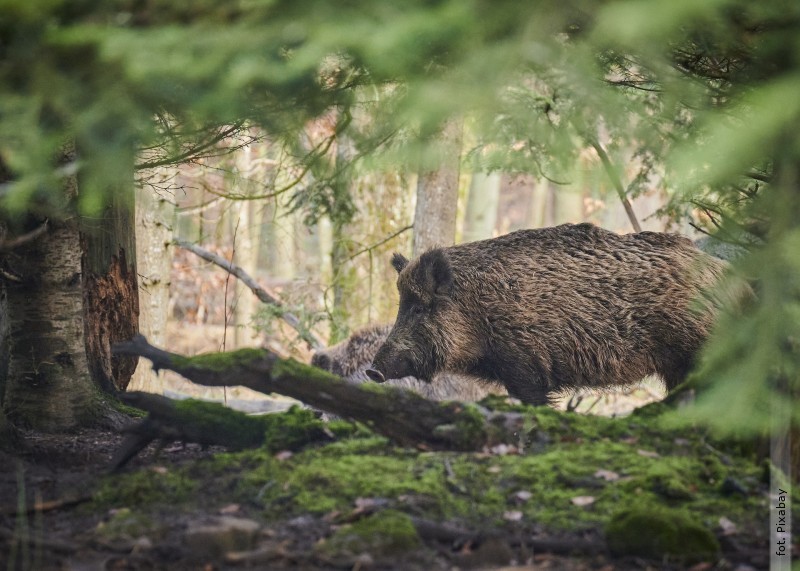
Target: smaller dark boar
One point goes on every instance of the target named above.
(546, 311)
(351, 358)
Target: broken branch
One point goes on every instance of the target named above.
(261, 293)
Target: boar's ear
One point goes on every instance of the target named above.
(399, 261)
(437, 273)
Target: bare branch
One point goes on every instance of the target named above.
(616, 182)
(6, 245)
(261, 293)
(382, 242)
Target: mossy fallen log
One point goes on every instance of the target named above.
(405, 417)
(212, 424)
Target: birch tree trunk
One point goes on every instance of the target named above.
(155, 218)
(76, 296)
(48, 386)
(437, 195)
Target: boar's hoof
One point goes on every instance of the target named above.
(376, 376)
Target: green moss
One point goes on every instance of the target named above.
(470, 426)
(658, 533)
(388, 533)
(221, 361)
(293, 429)
(482, 487)
(290, 430)
(207, 422)
(296, 369)
(126, 525)
(649, 465)
(668, 481)
(144, 488)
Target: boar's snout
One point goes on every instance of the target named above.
(390, 364)
(376, 375)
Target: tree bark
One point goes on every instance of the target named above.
(155, 217)
(437, 195)
(110, 289)
(48, 384)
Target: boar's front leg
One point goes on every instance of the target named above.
(529, 393)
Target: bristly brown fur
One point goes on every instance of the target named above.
(548, 310)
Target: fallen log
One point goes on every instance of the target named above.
(404, 417)
(212, 424)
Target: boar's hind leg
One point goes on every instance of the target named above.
(676, 376)
(676, 368)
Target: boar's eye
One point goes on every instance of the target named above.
(417, 309)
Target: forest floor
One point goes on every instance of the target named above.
(580, 492)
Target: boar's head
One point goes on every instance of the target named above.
(421, 339)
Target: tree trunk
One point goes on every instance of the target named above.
(110, 289)
(484, 197)
(155, 217)
(538, 205)
(48, 384)
(568, 205)
(245, 255)
(437, 195)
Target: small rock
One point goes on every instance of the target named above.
(220, 535)
(230, 509)
(513, 515)
(363, 561)
(491, 553)
(583, 500)
(523, 496)
(504, 449)
(727, 526)
(607, 475)
(142, 544)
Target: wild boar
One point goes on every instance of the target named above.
(351, 358)
(546, 311)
